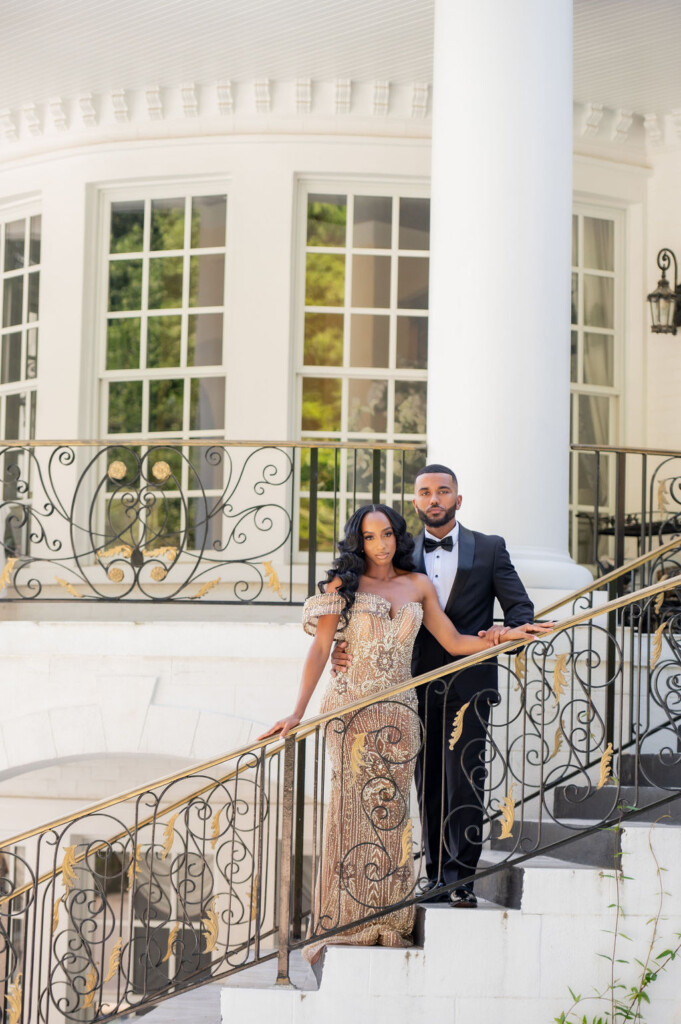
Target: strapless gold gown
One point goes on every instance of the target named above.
(367, 859)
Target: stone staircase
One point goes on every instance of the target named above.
(498, 963)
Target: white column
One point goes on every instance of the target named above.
(498, 389)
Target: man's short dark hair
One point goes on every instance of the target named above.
(435, 467)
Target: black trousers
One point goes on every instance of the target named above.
(451, 783)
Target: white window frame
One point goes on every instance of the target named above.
(614, 393)
(27, 386)
(394, 188)
(170, 189)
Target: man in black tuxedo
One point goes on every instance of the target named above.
(469, 570)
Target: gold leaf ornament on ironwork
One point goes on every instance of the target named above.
(171, 939)
(160, 471)
(273, 579)
(255, 894)
(124, 550)
(559, 677)
(406, 843)
(114, 960)
(606, 766)
(68, 587)
(6, 575)
(91, 987)
(507, 814)
(210, 923)
(14, 1001)
(158, 573)
(215, 827)
(135, 862)
(656, 646)
(202, 591)
(68, 870)
(557, 742)
(662, 495)
(55, 914)
(520, 663)
(357, 752)
(168, 836)
(117, 470)
(115, 574)
(457, 726)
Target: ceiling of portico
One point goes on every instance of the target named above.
(625, 51)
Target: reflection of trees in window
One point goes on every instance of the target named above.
(165, 311)
(364, 339)
(163, 360)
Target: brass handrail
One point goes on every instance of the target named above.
(308, 725)
(609, 577)
(617, 449)
(209, 442)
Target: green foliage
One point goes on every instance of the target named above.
(326, 220)
(625, 1004)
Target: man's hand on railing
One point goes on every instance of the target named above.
(282, 727)
(502, 634)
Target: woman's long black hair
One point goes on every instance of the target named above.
(351, 563)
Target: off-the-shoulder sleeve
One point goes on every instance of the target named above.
(321, 604)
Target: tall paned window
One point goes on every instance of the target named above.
(363, 341)
(594, 369)
(19, 317)
(19, 327)
(163, 347)
(162, 355)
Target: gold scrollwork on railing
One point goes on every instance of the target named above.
(68, 871)
(210, 923)
(406, 843)
(606, 766)
(91, 988)
(202, 591)
(559, 677)
(507, 814)
(457, 726)
(114, 960)
(357, 753)
(171, 941)
(168, 836)
(273, 579)
(14, 1001)
(135, 863)
(557, 742)
(6, 575)
(55, 914)
(656, 646)
(68, 587)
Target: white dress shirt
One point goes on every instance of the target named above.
(441, 565)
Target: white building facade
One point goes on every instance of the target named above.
(242, 250)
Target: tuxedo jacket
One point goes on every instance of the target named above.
(484, 572)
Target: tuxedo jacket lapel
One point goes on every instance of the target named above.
(419, 559)
(466, 555)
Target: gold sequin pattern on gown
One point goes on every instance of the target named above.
(366, 860)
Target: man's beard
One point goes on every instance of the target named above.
(429, 521)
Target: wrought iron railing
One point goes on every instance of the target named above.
(630, 502)
(183, 520)
(118, 906)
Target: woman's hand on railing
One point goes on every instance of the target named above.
(501, 634)
(281, 728)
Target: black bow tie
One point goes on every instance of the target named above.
(447, 544)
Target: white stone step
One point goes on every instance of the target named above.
(489, 964)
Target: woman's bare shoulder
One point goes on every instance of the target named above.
(333, 585)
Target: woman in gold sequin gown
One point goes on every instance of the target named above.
(374, 600)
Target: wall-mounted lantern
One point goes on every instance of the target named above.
(665, 302)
